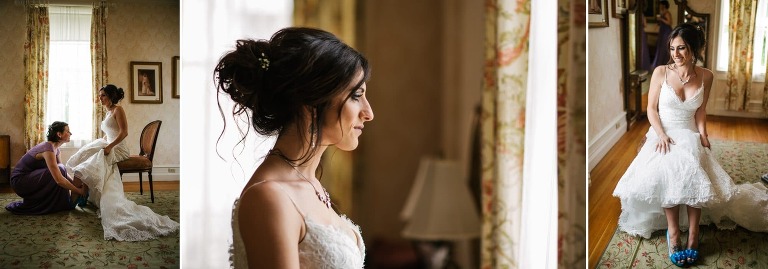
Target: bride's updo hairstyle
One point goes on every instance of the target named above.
(298, 71)
(693, 38)
(114, 93)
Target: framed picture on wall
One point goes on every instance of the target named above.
(597, 13)
(176, 73)
(147, 82)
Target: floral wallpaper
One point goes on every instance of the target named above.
(12, 30)
(147, 32)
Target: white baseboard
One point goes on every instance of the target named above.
(606, 138)
(159, 173)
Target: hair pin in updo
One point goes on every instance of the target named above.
(264, 62)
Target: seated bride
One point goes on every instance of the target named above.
(96, 165)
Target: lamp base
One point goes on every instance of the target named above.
(436, 254)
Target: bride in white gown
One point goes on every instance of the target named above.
(675, 167)
(96, 165)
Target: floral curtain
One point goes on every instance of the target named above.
(742, 33)
(35, 74)
(503, 128)
(337, 17)
(98, 62)
(571, 134)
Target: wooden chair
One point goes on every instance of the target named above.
(143, 162)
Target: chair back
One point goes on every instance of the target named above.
(148, 139)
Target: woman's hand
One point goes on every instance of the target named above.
(664, 144)
(705, 141)
(107, 150)
(80, 190)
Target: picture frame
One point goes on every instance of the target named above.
(176, 76)
(619, 8)
(597, 13)
(146, 82)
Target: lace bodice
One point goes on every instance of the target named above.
(323, 246)
(110, 127)
(676, 113)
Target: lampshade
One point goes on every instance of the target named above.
(440, 206)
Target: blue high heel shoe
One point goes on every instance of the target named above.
(676, 255)
(82, 201)
(692, 254)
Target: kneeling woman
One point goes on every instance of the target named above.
(41, 179)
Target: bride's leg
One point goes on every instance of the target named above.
(80, 184)
(673, 231)
(694, 215)
(673, 225)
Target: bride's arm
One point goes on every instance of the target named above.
(701, 113)
(122, 124)
(657, 79)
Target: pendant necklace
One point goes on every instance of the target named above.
(681, 78)
(324, 197)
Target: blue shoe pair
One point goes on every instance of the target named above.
(676, 255)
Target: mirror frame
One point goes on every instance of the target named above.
(682, 8)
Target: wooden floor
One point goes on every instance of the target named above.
(127, 186)
(604, 209)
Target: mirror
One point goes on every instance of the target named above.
(687, 15)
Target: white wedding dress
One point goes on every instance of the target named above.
(323, 246)
(688, 174)
(122, 219)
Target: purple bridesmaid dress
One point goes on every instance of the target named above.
(32, 180)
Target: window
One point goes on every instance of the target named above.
(760, 53)
(69, 71)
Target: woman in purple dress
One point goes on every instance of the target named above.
(665, 21)
(41, 179)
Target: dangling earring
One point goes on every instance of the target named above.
(312, 135)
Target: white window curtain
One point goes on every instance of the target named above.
(69, 84)
(540, 208)
(208, 199)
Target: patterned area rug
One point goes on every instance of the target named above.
(739, 248)
(75, 239)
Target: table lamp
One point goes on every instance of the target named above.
(439, 208)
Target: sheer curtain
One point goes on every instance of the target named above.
(35, 74)
(519, 174)
(211, 184)
(70, 72)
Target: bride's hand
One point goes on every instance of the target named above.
(663, 145)
(107, 150)
(705, 141)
